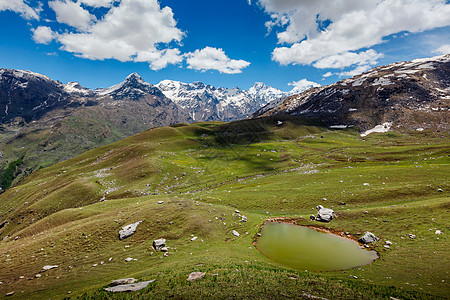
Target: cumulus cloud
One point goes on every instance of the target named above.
(127, 30)
(444, 49)
(72, 14)
(319, 28)
(327, 74)
(347, 59)
(135, 30)
(20, 7)
(43, 35)
(302, 85)
(160, 59)
(356, 71)
(214, 59)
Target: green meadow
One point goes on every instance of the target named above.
(394, 185)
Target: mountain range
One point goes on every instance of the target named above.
(209, 103)
(46, 121)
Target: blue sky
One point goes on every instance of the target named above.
(283, 43)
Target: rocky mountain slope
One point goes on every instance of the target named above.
(46, 121)
(208, 103)
(411, 95)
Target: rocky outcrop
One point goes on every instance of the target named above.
(324, 214)
(195, 276)
(129, 287)
(368, 238)
(122, 281)
(128, 230)
(159, 244)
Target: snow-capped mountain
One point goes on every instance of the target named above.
(133, 87)
(207, 103)
(77, 89)
(410, 95)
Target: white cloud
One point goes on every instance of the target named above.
(347, 59)
(444, 49)
(302, 85)
(97, 3)
(327, 74)
(358, 70)
(132, 31)
(214, 59)
(43, 35)
(353, 24)
(160, 59)
(19, 6)
(72, 14)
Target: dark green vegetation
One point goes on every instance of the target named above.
(10, 173)
(69, 214)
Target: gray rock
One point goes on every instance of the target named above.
(235, 233)
(195, 275)
(324, 214)
(158, 244)
(368, 237)
(122, 281)
(128, 230)
(49, 267)
(128, 259)
(412, 236)
(129, 287)
(309, 296)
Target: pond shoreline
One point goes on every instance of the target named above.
(317, 227)
(344, 261)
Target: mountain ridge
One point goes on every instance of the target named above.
(410, 95)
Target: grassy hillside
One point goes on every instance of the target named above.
(69, 214)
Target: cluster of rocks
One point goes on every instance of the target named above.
(160, 245)
(243, 218)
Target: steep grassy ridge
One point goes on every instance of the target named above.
(69, 214)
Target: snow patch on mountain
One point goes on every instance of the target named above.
(385, 127)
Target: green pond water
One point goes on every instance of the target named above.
(308, 249)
